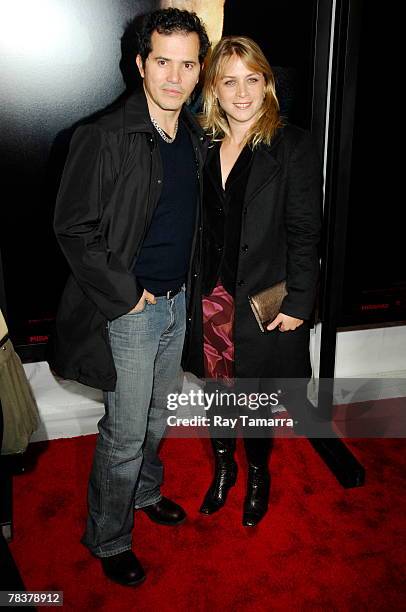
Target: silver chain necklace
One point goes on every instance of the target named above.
(162, 134)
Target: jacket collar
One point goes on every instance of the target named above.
(264, 168)
(136, 116)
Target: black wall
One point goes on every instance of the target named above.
(374, 288)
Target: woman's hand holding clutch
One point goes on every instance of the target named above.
(285, 323)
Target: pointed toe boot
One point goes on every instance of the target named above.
(225, 475)
(259, 480)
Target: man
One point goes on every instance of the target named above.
(127, 221)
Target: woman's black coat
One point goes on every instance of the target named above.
(280, 231)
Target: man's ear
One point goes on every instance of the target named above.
(139, 64)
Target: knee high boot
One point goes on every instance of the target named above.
(225, 474)
(259, 480)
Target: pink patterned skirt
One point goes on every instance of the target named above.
(218, 323)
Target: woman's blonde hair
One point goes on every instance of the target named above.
(214, 119)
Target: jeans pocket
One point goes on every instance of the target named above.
(134, 314)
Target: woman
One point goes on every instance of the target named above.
(262, 190)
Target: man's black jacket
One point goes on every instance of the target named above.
(110, 186)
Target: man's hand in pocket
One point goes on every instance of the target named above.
(146, 297)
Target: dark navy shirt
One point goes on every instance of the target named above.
(163, 261)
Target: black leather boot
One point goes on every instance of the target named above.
(225, 475)
(259, 480)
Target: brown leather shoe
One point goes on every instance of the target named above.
(123, 568)
(165, 512)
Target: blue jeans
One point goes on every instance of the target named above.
(127, 471)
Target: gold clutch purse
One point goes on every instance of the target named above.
(266, 304)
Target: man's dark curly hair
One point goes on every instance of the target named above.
(167, 21)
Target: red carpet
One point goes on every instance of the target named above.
(319, 548)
